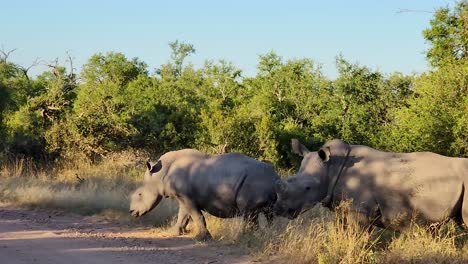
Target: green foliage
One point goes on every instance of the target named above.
(118, 105)
(25, 137)
(286, 98)
(180, 51)
(4, 101)
(100, 118)
(365, 98)
(448, 35)
(113, 67)
(223, 126)
(435, 118)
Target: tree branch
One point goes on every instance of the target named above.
(54, 65)
(405, 10)
(25, 72)
(5, 54)
(70, 60)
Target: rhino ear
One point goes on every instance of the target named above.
(324, 154)
(298, 148)
(156, 167)
(281, 187)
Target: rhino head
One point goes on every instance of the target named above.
(307, 187)
(146, 197)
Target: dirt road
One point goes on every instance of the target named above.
(40, 236)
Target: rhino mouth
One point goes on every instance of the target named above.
(289, 213)
(293, 214)
(137, 213)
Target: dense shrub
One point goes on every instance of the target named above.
(115, 104)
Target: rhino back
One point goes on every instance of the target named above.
(431, 183)
(258, 188)
(175, 159)
(403, 182)
(214, 182)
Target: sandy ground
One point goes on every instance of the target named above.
(42, 236)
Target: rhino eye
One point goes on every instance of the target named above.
(139, 194)
(307, 188)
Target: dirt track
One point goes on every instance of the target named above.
(39, 236)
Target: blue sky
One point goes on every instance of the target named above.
(372, 33)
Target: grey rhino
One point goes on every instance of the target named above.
(225, 185)
(386, 189)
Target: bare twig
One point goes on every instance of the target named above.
(25, 71)
(405, 10)
(5, 54)
(54, 65)
(70, 60)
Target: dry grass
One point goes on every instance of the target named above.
(79, 188)
(318, 236)
(321, 236)
(448, 244)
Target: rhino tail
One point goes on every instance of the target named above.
(464, 206)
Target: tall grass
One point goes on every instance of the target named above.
(79, 187)
(318, 236)
(448, 244)
(321, 236)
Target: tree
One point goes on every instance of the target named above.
(285, 102)
(436, 115)
(361, 93)
(434, 118)
(100, 119)
(221, 92)
(20, 128)
(448, 35)
(180, 51)
(112, 67)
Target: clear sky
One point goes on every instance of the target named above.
(370, 32)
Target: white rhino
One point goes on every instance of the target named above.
(386, 189)
(225, 185)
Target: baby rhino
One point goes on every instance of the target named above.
(225, 185)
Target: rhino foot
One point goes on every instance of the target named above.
(175, 231)
(203, 236)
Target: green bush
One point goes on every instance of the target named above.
(115, 104)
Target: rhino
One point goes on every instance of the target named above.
(224, 185)
(385, 189)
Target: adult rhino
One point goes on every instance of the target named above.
(225, 185)
(386, 189)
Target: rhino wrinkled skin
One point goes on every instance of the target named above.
(225, 185)
(385, 189)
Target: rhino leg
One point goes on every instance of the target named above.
(251, 220)
(365, 218)
(269, 215)
(198, 219)
(251, 202)
(362, 221)
(183, 219)
(185, 224)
